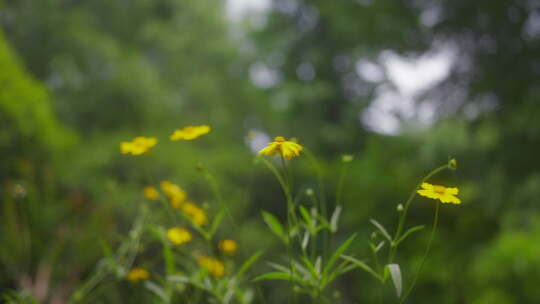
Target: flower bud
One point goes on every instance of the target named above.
(347, 158)
(309, 192)
(399, 208)
(452, 164)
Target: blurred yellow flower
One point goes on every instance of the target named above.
(178, 236)
(442, 193)
(214, 266)
(139, 145)
(151, 193)
(174, 193)
(228, 246)
(137, 274)
(196, 214)
(190, 132)
(287, 149)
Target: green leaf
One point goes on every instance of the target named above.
(341, 269)
(305, 240)
(216, 222)
(376, 248)
(178, 278)
(395, 273)
(305, 215)
(158, 291)
(248, 263)
(311, 267)
(274, 225)
(334, 219)
(338, 253)
(409, 232)
(362, 266)
(277, 276)
(381, 229)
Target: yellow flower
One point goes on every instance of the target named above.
(178, 236)
(287, 149)
(190, 132)
(196, 214)
(151, 193)
(137, 274)
(139, 145)
(175, 194)
(228, 246)
(213, 266)
(442, 193)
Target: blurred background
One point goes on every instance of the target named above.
(401, 85)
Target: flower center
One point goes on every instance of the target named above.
(439, 189)
(279, 139)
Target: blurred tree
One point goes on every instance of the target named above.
(485, 110)
(30, 138)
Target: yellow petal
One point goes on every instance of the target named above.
(270, 150)
(428, 193)
(452, 191)
(427, 186)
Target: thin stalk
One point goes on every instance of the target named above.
(403, 214)
(426, 252)
(290, 210)
(339, 189)
(379, 270)
(323, 205)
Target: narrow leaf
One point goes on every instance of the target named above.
(334, 219)
(248, 263)
(376, 248)
(305, 215)
(318, 263)
(409, 232)
(362, 266)
(178, 278)
(381, 229)
(154, 288)
(274, 225)
(277, 276)
(310, 266)
(338, 253)
(217, 222)
(395, 273)
(278, 267)
(305, 240)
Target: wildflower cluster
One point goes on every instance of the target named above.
(191, 252)
(197, 263)
(179, 236)
(139, 145)
(214, 266)
(195, 214)
(174, 193)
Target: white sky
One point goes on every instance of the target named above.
(236, 9)
(392, 105)
(411, 77)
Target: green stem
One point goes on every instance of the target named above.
(403, 215)
(290, 210)
(327, 243)
(426, 252)
(379, 270)
(340, 183)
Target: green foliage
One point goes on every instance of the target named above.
(497, 269)
(78, 77)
